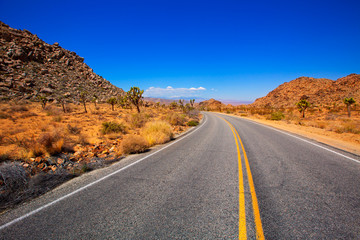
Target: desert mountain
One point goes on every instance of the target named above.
(319, 91)
(29, 67)
(210, 104)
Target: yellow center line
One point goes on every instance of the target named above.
(256, 211)
(242, 214)
(257, 219)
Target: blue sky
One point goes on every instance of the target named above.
(234, 50)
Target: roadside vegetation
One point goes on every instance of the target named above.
(339, 121)
(45, 143)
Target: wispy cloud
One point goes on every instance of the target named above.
(170, 92)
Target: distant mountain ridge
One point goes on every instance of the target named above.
(319, 91)
(29, 67)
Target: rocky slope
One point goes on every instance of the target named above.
(29, 67)
(210, 104)
(319, 92)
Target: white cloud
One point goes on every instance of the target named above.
(170, 92)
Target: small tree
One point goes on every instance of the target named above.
(43, 101)
(192, 101)
(134, 95)
(61, 100)
(123, 102)
(94, 99)
(83, 99)
(173, 105)
(181, 104)
(112, 101)
(302, 106)
(348, 102)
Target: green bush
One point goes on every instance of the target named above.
(277, 116)
(113, 127)
(192, 123)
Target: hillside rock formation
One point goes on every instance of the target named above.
(29, 67)
(210, 104)
(319, 92)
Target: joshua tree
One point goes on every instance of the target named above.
(95, 99)
(173, 105)
(192, 101)
(43, 101)
(302, 106)
(181, 104)
(61, 100)
(123, 101)
(348, 102)
(83, 99)
(134, 95)
(112, 101)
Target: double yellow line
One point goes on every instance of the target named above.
(255, 205)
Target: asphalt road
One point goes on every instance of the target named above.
(190, 189)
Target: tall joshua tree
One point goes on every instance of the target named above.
(134, 95)
(302, 105)
(95, 99)
(348, 102)
(43, 101)
(83, 96)
(112, 101)
(192, 101)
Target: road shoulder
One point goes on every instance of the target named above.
(316, 134)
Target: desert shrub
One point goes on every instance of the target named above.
(13, 177)
(47, 143)
(276, 116)
(137, 120)
(331, 117)
(19, 108)
(157, 132)
(28, 114)
(348, 127)
(133, 144)
(194, 113)
(112, 127)
(176, 119)
(4, 116)
(319, 124)
(52, 142)
(73, 129)
(57, 118)
(192, 123)
(53, 111)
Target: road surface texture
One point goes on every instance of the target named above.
(193, 188)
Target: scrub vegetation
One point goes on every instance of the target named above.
(44, 143)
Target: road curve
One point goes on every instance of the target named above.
(189, 189)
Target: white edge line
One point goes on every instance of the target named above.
(304, 140)
(95, 182)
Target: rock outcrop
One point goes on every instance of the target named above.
(210, 104)
(29, 67)
(319, 92)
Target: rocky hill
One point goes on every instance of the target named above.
(210, 104)
(319, 91)
(29, 67)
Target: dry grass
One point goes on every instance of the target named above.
(157, 132)
(329, 121)
(133, 144)
(28, 130)
(176, 119)
(113, 127)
